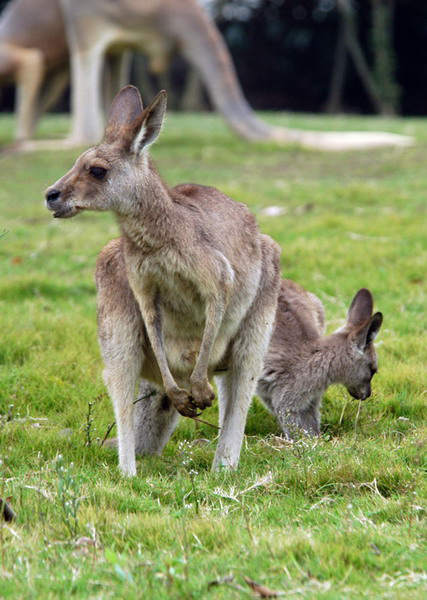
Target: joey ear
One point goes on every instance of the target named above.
(360, 310)
(368, 332)
(374, 327)
(125, 118)
(151, 123)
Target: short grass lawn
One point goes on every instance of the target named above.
(342, 516)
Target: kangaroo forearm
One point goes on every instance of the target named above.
(214, 315)
(153, 324)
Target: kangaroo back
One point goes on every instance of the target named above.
(300, 317)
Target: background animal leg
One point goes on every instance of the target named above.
(86, 68)
(53, 91)
(29, 79)
(116, 76)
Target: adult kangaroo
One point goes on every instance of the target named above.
(188, 291)
(37, 38)
(33, 45)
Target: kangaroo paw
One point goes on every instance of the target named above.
(202, 394)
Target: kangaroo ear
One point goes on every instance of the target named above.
(126, 116)
(374, 327)
(360, 310)
(151, 123)
(368, 332)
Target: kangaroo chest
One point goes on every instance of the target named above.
(183, 316)
(182, 309)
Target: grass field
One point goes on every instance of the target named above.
(343, 516)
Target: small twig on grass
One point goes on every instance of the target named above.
(89, 421)
(248, 525)
(110, 427)
(224, 580)
(229, 581)
(357, 416)
(261, 591)
(9, 416)
(192, 473)
(40, 491)
(342, 413)
(206, 423)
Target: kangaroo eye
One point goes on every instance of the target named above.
(98, 172)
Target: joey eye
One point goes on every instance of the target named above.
(98, 172)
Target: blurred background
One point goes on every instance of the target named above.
(306, 55)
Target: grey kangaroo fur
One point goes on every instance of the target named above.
(301, 363)
(189, 289)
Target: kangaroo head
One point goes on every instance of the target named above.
(111, 176)
(359, 361)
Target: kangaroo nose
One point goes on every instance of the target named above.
(52, 195)
(366, 394)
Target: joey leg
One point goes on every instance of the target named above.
(310, 421)
(155, 420)
(296, 423)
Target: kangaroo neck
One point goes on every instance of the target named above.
(317, 366)
(149, 220)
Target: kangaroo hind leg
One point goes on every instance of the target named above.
(238, 384)
(121, 339)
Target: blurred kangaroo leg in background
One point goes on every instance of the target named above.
(52, 91)
(117, 74)
(27, 66)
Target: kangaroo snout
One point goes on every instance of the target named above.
(361, 393)
(60, 203)
(52, 194)
(366, 393)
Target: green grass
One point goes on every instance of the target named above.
(341, 517)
